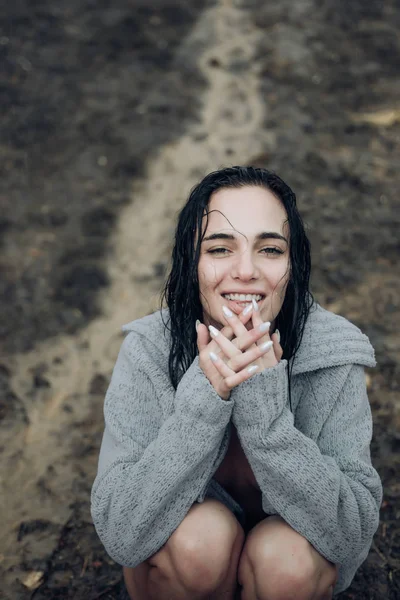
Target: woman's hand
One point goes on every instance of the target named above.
(235, 353)
(208, 347)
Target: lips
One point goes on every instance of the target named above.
(237, 302)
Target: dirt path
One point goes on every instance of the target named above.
(255, 85)
(49, 448)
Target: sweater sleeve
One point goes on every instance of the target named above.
(152, 469)
(326, 489)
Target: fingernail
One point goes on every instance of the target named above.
(266, 346)
(264, 327)
(255, 305)
(228, 313)
(278, 335)
(197, 324)
(214, 332)
(213, 357)
(248, 309)
(252, 369)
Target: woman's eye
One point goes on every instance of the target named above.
(272, 250)
(218, 251)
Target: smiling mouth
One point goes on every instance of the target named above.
(243, 298)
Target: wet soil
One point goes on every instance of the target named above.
(110, 113)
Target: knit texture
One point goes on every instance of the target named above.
(312, 462)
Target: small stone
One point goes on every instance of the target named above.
(33, 580)
(102, 161)
(155, 20)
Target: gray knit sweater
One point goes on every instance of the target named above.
(161, 447)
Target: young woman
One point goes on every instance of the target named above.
(235, 461)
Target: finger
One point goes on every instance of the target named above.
(237, 378)
(245, 315)
(257, 320)
(227, 331)
(212, 346)
(256, 315)
(276, 338)
(220, 365)
(227, 347)
(203, 336)
(240, 361)
(233, 320)
(253, 336)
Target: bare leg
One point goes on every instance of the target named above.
(278, 563)
(198, 562)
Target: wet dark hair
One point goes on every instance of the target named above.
(182, 293)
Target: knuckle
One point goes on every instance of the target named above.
(229, 382)
(234, 362)
(257, 334)
(244, 344)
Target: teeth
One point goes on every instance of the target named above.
(243, 297)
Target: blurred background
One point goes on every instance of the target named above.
(110, 113)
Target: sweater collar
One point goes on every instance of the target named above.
(329, 341)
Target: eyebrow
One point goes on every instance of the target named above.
(264, 235)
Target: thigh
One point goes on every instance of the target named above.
(209, 538)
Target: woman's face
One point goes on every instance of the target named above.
(244, 254)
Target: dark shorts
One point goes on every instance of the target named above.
(217, 492)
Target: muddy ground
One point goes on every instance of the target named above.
(111, 111)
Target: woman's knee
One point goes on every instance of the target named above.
(202, 547)
(283, 564)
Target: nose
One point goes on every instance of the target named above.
(245, 267)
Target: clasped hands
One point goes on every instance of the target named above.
(233, 354)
